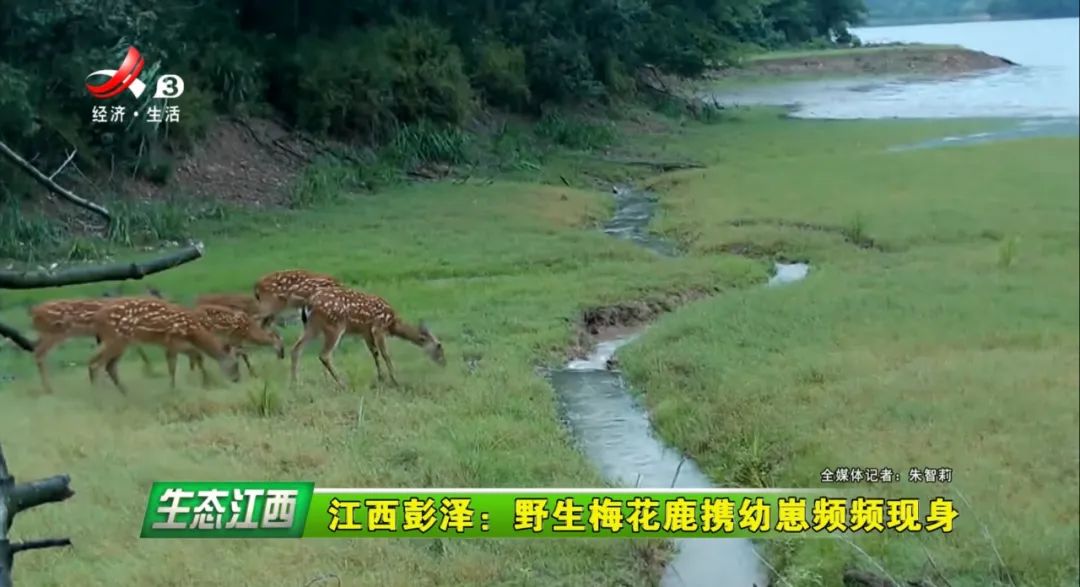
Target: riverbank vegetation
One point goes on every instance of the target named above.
(380, 87)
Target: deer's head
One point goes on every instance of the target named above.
(431, 345)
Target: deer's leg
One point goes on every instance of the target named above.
(380, 341)
(309, 334)
(170, 360)
(107, 348)
(331, 338)
(110, 353)
(148, 367)
(110, 368)
(240, 352)
(41, 350)
(196, 359)
(370, 340)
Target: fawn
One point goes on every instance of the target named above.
(291, 288)
(58, 320)
(161, 323)
(335, 311)
(244, 303)
(236, 328)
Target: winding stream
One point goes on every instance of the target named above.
(614, 432)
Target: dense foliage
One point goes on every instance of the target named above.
(358, 69)
(929, 10)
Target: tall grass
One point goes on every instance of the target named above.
(575, 133)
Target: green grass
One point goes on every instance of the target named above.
(948, 348)
(498, 271)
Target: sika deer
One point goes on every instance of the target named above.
(335, 311)
(236, 328)
(150, 321)
(245, 303)
(291, 288)
(58, 320)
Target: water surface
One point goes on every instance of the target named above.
(1044, 86)
(613, 430)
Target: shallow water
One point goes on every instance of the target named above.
(1044, 87)
(614, 432)
(633, 211)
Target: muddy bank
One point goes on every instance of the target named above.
(893, 60)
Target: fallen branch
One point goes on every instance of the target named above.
(17, 337)
(17, 498)
(51, 185)
(64, 164)
(95, 273)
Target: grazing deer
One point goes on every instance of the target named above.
(291, 288)
(58, 320)
(245, 303)
(150, 321)
(335, 311)
(236, 328)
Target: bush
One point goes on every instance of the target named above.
(16, 107)
(499, 73)
(560, 71)
(367, 82)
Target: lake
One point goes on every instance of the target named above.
(1045, 86)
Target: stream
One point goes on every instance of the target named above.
(613, 429)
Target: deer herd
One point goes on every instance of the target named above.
(221, 325)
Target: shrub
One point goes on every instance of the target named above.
(499, 73)
(366, 82)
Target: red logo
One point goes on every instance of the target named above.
(125, 78)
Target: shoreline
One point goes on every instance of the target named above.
(891, 59)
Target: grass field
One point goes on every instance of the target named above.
(955, 346)
(931, 352)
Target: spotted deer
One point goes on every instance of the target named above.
(59, 320)
(336, 311)
(157, 322)
(242, 302)
(237, 328)
(281, 290)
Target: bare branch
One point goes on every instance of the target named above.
(96, 273)
(64, 164)
(51, 185)
(36, 544)
(17, 337)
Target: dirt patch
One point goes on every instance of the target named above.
(874, 61)
(611, 321)
(250, 162)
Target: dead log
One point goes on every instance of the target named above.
(17, 498)
(51, 185)
(89, 274)
(95, 273)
